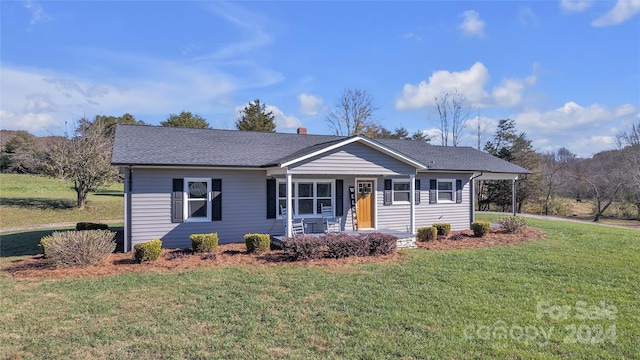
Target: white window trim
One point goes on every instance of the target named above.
(453, 191)
(294, 197)
(186, 200)
(393, 191)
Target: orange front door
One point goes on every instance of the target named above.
(366, 198)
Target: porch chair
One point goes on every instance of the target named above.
(331, 223)
(297, 225)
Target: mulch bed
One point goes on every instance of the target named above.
(235, 254)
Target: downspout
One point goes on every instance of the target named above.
(127, 211)
(412, 206)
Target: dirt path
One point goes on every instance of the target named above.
(560, 218)
(53, 226)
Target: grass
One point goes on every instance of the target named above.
(27, 200)
(431, 304)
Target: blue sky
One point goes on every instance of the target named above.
(568, 72)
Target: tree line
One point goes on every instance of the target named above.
(609, 177)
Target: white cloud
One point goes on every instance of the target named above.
(574, 6)
(412, 35)
(621, 12)
(309, 104)
(509, 92)
(566, 126)
(469, 83)
(472, 25)
(32, 122)
(43, 98)
(527, 17)
(38, 15)
(284, 121)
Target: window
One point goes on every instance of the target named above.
(308, 196)
(446, 191)
(197, 201)
(401, 191)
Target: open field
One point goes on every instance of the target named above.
(29, 200)
(574, 294)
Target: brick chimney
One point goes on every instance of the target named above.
(302, 131)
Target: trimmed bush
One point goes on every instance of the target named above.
(201, 243)
(78, 247)
(513, 224)
(305, 247)
(43, 244)
(480, 228)
(257, 243)
(427, 233)
(381, 244)
(339, 246)
(443, 229)
(343, 245)
(147, 251)
(81, 226)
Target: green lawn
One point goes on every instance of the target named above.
(431, 304)
(31, 200)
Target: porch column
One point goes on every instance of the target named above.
(513, 196)
(412, 201)
(289, 219)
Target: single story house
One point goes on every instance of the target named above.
(181, 181)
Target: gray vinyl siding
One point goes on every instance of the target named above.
(243, 206)
(396, 216)
(354, 158)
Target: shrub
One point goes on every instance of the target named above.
(43, 244)
(343, 245)
(381, 244)
(201, 243)
(305, 247)
(443, 229)
(147, 251)
(257, 243)
(78, 247)
(91, 226)
(513, 224)
(427, 233)
(480, 228)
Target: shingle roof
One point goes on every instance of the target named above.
(156, 145)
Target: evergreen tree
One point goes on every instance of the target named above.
(255, 117)
(186, 119)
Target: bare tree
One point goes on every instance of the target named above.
(85, 158)
(453, 113)
(604, 176)
(553, 163)
(353, 113)
(629, 144)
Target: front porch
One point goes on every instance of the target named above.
(405, 240)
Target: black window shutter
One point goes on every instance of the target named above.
(417, 191)
(216, 199)
(271, 198)
(458, 191)
(177, 201)
(339, 197)
(433, 191)
(388, 192)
